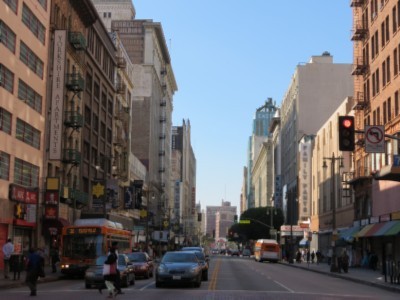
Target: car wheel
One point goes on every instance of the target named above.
(205, 276)
(133, 281)
(125, 281)
(88, 285)
(198, 283)
(147, 275)
(158, 284)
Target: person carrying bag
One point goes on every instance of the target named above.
(110, 274)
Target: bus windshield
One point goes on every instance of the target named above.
(82, 246)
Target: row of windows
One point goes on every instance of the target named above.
(25, 173)
(25, 92)
(7, 36)
(388, 111)
(27, 134)
(29, 58)
(33, 23)
(24, 132)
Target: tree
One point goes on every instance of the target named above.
(259, 224)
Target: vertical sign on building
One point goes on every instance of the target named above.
(57, 97)
(305, 179)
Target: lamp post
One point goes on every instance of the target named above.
(105, 172)
(333, 159)
(271, 211)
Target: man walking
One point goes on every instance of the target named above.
(8, 249)
(33, 269)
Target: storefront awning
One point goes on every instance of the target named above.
(394, 230)
(364, 230)
(349, 234)
(374, 229)
(304, 243)
(384, 228)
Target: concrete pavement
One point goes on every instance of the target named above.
(355, 274)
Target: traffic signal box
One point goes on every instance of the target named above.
(346, 133)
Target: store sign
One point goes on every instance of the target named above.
(23, 194)
(57, 97)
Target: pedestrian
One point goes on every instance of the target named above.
(55, 258)
(114, 246)
(34, 270)
(318, 254)
(312, 256)
(17, 263)
(110, 273)
(308, 255)
(8, 249)
(345, 261)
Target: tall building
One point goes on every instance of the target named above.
(260, 131)
(155, 85)
(316, 90)
(185, 208)
(24, 32)
(219, 219)
(376, 95)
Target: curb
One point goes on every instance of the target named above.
(21, 282)
(391, 288)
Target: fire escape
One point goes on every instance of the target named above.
(360, 71)
(73, 122)
(121, 129)
(163, 120)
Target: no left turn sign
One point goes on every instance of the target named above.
(374, 139)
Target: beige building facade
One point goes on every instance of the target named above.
(23, 96)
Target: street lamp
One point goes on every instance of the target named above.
(102, 189)
(271, 211)
(333, 159)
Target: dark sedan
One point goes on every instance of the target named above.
(142, 264)
(94, 274)
(179, 267)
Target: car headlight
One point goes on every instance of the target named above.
(193, 270)
(162, 269)
(89, 274)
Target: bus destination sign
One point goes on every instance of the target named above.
(83, 230)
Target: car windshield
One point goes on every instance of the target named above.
(192, 249)
(137, 257)
(177, 257)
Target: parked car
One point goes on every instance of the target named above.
(179, 267)
(234, 252)
(142, 264)
(246, 252)
(94, 274)
(214, 251)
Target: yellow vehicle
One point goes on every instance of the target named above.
(266, 250)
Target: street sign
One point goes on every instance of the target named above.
(244, 222)
(374, 139)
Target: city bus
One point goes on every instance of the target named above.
(86, 240)
(266, 250)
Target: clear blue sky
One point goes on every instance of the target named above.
(228, 57)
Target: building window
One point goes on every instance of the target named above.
(33, 24)
(5, 121)
(4, 165)
(7, 36)
(396, 104)
(13, 4)
(88, 115)
(95, 123)
(6, 79)
(29, 96)
(395, 62)
(384, 110)
(25, 173)
(29, 58)
(109, 135)
(43, 3)
(388, 70)
(389, 109)
(27, 134)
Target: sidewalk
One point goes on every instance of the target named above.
(356, 274)
(10, 283)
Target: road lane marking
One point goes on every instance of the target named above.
(282, 285)
(214, 276)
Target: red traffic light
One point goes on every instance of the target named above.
(347, 123)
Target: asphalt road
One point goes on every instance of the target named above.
(229, 278)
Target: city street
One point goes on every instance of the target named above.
(229, 278)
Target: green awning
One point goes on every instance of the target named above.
(394, 230)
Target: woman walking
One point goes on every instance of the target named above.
(110, 273)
